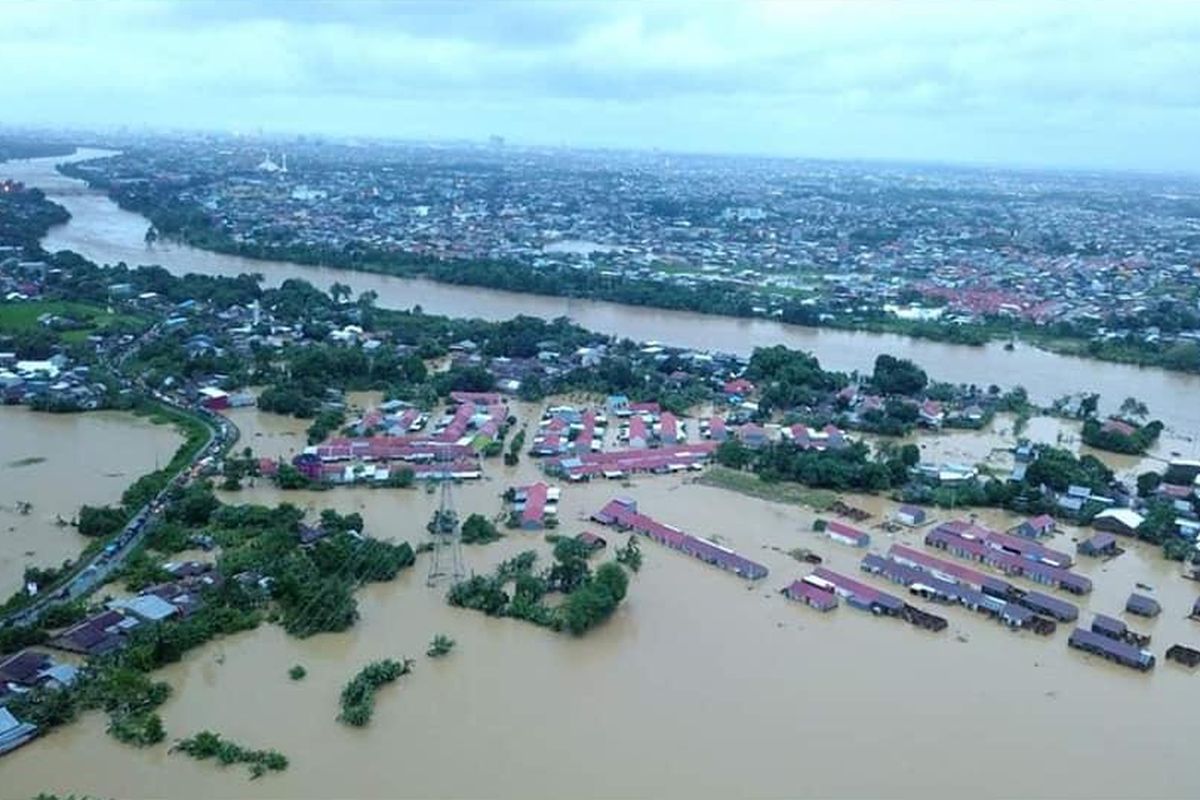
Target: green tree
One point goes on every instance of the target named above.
(478, 529)
(100, 521)
(1148, 483)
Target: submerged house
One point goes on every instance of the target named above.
(912, 516)
(855, 593)
(812, 595)
(591, 540)
(622, 513)
(846, 534)
(534, 503)
(14, 732)
(1123, 521)
(1099, 545)
(97, 635)
(30, 669)
(1142, 605)
(1035, 527)
(930, 413)
(1111, 649)
(968, 541)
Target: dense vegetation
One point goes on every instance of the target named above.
(26, 215)
(208, 745)
(269, 575)
(358, 696)
(590, 598)
(1142, 438)
(478, 529)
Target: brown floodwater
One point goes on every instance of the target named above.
(58, 462)
(700, 686)
(991, 446)
(104, 233)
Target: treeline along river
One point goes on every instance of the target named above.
(103, 232)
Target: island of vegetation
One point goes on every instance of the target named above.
(207, 745)
(441, 645)
(588, 597)
(358, 696)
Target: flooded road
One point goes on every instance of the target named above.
(58, 462)
(700, 686)
(104, 233)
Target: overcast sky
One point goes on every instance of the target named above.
(1071, 83)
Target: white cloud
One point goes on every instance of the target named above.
(1100, 82)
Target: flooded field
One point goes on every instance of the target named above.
(58, 462)
(991, 445)
(700, 686)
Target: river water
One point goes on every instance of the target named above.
(104, 233)
(699, 687)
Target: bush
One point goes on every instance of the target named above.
(358, 696)
(440, 646)
(206, 745)
(478, 529)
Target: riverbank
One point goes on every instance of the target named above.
(101, 231)
(672, 288)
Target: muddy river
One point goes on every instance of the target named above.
(701, 685)
(57, 462)
(101, 231)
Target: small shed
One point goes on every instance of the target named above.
(911, 515)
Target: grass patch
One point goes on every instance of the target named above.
(748, 483)
(23, 316)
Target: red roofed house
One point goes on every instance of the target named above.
(930, 413)
(738, 387)
(651, 408)
(668, 428)
(1118, 426)
(752, 435)
(812, 595)
(637, 432)
(533, 503)
(846, 534)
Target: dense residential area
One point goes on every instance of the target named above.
(1106, 262)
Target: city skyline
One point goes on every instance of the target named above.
(1013, 84)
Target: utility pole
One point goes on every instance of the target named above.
(447, 562)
